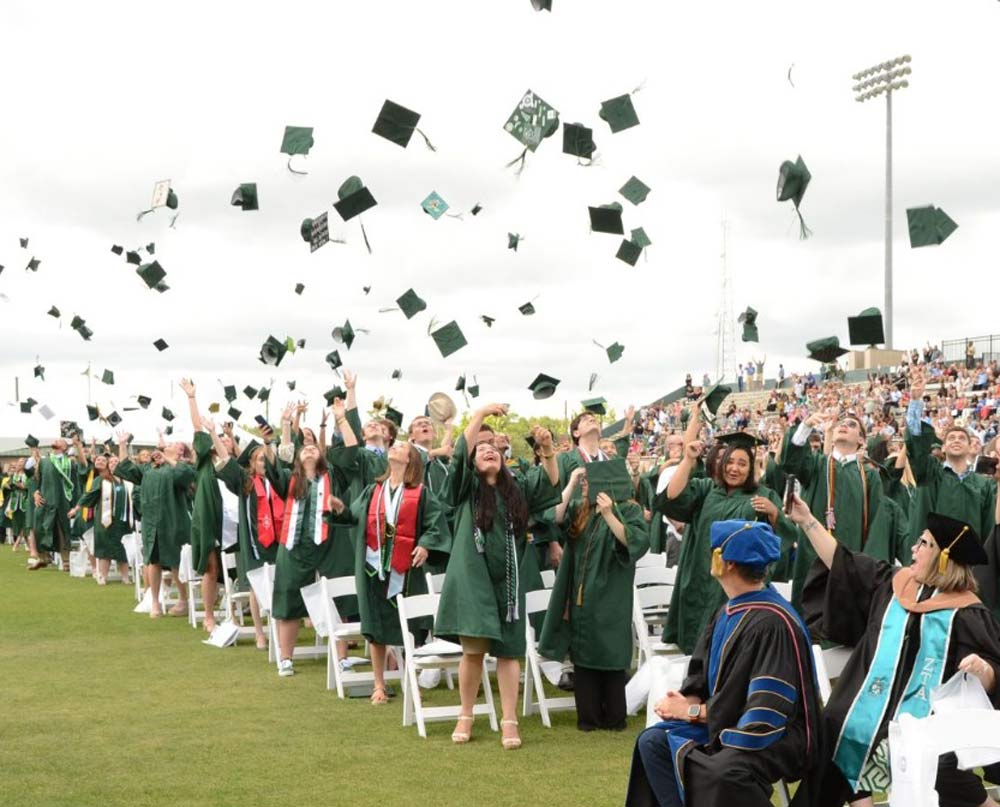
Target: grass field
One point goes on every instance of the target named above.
(105, 707)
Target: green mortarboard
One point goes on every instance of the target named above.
(77, 322)
(32, 265)
(714, 397)
(144, 401)
(151, 247)
(301, 343)
(31, 442)
(161, 287)
(366, 289)
(473, 388)
(635, 190)
(247, 452)
(749, 320)
(595, 405)
(610, 477)
(316, 232)
(133, 257)
(395, 416)
(54, 312)
(118, 250)
(107, 377)
(957, 541)
(331, 394)
(354, 198)
(542, 5)
(344, 334)
(513, 239)
(245, 196)
(544, 386)
(151, 273)
(615, 352)
(171, 199)
(476, 209)
(297, 140)
(396, 123)
(290, 385)
(397, 374)
(825, 350)
(410, 304)
(333, 359)
(166, 414)
(578, 140)
(742, 439)
(449, 338)
(793, 179)
(532, 121)
(866, 328)
(85, 333)
(928, 225)
(640, 239)
(214, 407)
(272, 351)
(114, 418)
(39, 372)
(230, 392)
(460, 384)
(488, 320)
(619, 113)
(299, 288)
(234, 413)
(606, 220)
(161, 345)
(250, 392)
(24, 243)
(527, 309)
(168, 430)
(28, 405)
(263, 394)
(628, 252)
(434, 206)
(93, 413)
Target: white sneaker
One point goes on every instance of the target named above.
(285, 668)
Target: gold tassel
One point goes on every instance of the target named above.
(717, 562)
(943, 560)
(579, 596)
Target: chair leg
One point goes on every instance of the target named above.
(407, 699)
(488, 695)
(538, 684)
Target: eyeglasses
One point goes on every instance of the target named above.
(926, 543)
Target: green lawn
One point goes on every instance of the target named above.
(105, 707)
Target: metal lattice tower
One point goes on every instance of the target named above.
(725, 356)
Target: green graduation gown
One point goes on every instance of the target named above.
(250, 553)
(166, 524)
(206, 517)
(474, 596)
(108, 539)
(590, 612)
(59, 484)
(697, 595)
(17, 503)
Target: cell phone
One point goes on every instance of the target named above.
(261, 420)
(987, 466)
(790, 483)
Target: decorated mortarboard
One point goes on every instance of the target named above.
(544, 386)
(133, 257)
(635, 190)
(245, 196)
(344, 334)
(28, 405)
(247, 453)
(115, 248)
(748, 543)
(161, 345)
(263, 394)
(449, 338)
(434, 205)
(531, 122)
(928, 225)
(793, 179)
(353, 198)
(107, 377)
(610, 477)
(578, 140)
(866, 328)
(229, 391)
(250, 392)
(296, 140)
(144, 401)
(513, 239)
(957, 541)
(31, 442)
(742, 439)
(234, 413)
(93, 413)
(54, 312)
(299, 288)
(272, 352)
(395, 416)
(488, 320)
(163, 196)
(527, 309)
(714, 397)
(333, 360)
(397, 124)
(748, 319)
(114, 419)
(825, 350)
(315, 232)
(33, 265)
(629, 252)
(619, 113)
(68, 429)
(333, 393)
(595, 405)
(166, 414)
(39, 371)
(151, 273)
(607, 219)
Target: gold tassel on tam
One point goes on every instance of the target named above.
(946, 552)
(717, 562)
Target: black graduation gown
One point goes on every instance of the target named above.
(846, 605)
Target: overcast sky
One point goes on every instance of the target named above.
(103, 100)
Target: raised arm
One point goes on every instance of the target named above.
(187, 385)
(350, 381)
(568, 491)
(547, 452)
(682, 475)
(339, 410)
(475, 423)
(221, 452)
(821, 540)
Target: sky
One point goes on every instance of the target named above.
(110, 98)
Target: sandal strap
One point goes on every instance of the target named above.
(508, 723)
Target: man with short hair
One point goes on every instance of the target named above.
(58, 489)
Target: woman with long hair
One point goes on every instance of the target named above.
(398, 525)
(590, 612)
(482, 601)
(733, 493)
(16, 505)
(109, 499)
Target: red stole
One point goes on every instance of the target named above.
(270, 512)
(404, 537)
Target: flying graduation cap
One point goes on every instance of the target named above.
(866, 328)
(410, 304)
(163, 196)
(316, 232)
(513, 239)
(531, 122)
(449, 339)
(635, 190)
(793, 179)
(272, 352)
(39, 372)
(619, 113)
(33, 264)
(578, 141)
(297, 140)
(614, 350)
(161, 345)
(749, 321)
(541, 5)
(928, 225)
(607, 219)
(544, 386)
(595, 405)
(151, 273)
(628, 252)
(353, 200)
(825, 350)
(344, 334)
(397, 124)
(245, 196)
(434, 205)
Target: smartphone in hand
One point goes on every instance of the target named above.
(790, 485)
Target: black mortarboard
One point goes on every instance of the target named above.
(742, 439)
(77, 322)
(299, 288)
(749, 321)
(488, 320)
(619, 113)
(449, 338)
(714, 397)
(93, 413)
(335, 392)
(114, 419)
(250, 392)
(460, 384)
(527, 309)
(476, 209)
(166, 414)
(297, 140)
(24, 243)
(473, 388)
(541, 5)
(151, 247)
(544, 386)
(513, 239)
(397, 374)
(229, 391)
(793, 179)
(866, 328)
(31, 442)
(33, 265)
(640, 239)
(396, 123)
(610, 477)
(107, 377)
(247, 452)
(234, 413)
(957, 541)
(28, 405)
(354, 198)
(85, 333)
(263, 394)
(273, 351)
(133, 257)
(333, 359)
(290, 385)
(245, 196)
(614, 352)
(54, 312)
(578, 140)
(635, 190)
(39, 372)
(151, 273)
(606, 219)
(144, 401)
(928, 225)
(825, 350)
(344, 334)
(161, 345)
(395, 416)
(628, 252)
(595, 405)
(118, 250)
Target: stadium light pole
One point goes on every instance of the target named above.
(884, 79)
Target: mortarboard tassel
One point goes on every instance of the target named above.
(173, 221)
(427, 141)
(365, 235)
(593, 380)
(804, 232)
(642, 84)
(143, 213)
(519, 162)
(300, 173)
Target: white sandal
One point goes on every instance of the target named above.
(462, 737)
(509, 743)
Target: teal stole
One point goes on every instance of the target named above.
(857, 736)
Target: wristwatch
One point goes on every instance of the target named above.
(694, 711)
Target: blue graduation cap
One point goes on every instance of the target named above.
(749, 543)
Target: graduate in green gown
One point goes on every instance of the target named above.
(111, 503)
(166, 523)
(698, 503)
(31, 471)
(841, 492)
(482, 601)
(397, 525)
(590, 613)
(58, 488)
(16, 504)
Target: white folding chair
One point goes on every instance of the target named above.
(434, 582)
(652, 559)
(261, 582)
(548, 578)
(436, 654)
(666, 673)
(655, 576)
(316, 650)
(233, 599)
(784, 589)
(534, 602)
(652, 598)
